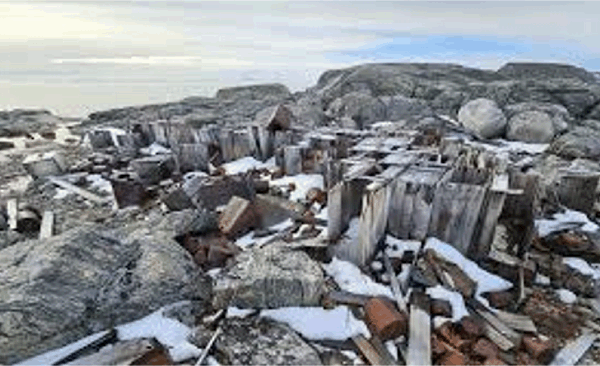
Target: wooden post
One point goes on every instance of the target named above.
(46, 230)
(13, 209)
(292, 156)
(419, 336)
(577, 191)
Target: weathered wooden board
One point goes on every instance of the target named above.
(368, 350)
(419, 336)
(455, 212)
(82, 192)
(373, 220)
(574, 350)
(12, 209)
(46, 229)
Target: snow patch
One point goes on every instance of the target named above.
(246, 164)
(155, 149)
(233, 312)
(486, 282)
(582, 266)
(540, 279)
(459, 310)
(96, 181)
(566, 296)
(565, 220)
(315, 323)
(303, 183)
(350, 278)
(396, 247)
(61, 193)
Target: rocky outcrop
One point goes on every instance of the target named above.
(363, 108)
(483, 117)
(260, 341)
(20, 122)
(55, 291)
(539, 70)
(270, 277)
(260, 91)
(530, 126)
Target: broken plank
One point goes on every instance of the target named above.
(495, 322)
(517, 321)
(82, 192)
(494, 335)
(419, 336)
(574, 350)
(367, 349)
(395, 284)
(12, 208)
(47, 227)
(334, 298)
(383, 351)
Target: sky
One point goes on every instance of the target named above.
(76, 57)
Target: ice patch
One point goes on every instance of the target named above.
(246, 240)
(246, 164)
(566, 296)
(486, 282)
(350, 278)
(303, 183)
(315, 323)
(565, 220)
(459, 309)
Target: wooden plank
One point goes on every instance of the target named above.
(368, 350)
(344, 298)
(82, 192)
(13, 209)
(372, 222)
(398, 188)
(496, 322)
(490, 212)
(395, 284)
(46, 229)
(574, 350)
(419, 336)
(422, 207)
(517, 321)
(494, 335)
(335, 223)
(383, 351)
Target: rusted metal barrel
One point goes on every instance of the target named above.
(384, 319)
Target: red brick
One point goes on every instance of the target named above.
(523, 358)
(537, 348)
(471, 328)
(453, 358)
(501, 299)
(493, 362)
(441, 308)
(484, 348)
(438, 347)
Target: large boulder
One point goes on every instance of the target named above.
(258, 341)
(270, 277)
(530, 126)
(580, 142)
(58, 290)
(21, 122)
(561, 119)
(483, 117)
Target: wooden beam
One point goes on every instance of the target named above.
(82, 192)
(574, 350)
(398, 295)
(419, 336)
(517, 322)
(367, 349)
(495, 322)
(46, 230)
(12, 208)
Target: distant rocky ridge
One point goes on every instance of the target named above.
(361, 95)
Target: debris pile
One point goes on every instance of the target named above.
(387, 245)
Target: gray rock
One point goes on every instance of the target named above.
(9, 237)
(270, 277)
(561, 119)
(55, 291)
(259, 91)
(179, 223)
(400, 107)
(258, 341)
(539, 70)
(20, 122)
(363, 108)
(530, 126)
(581, 142)
(308, 109)
(483, 117)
